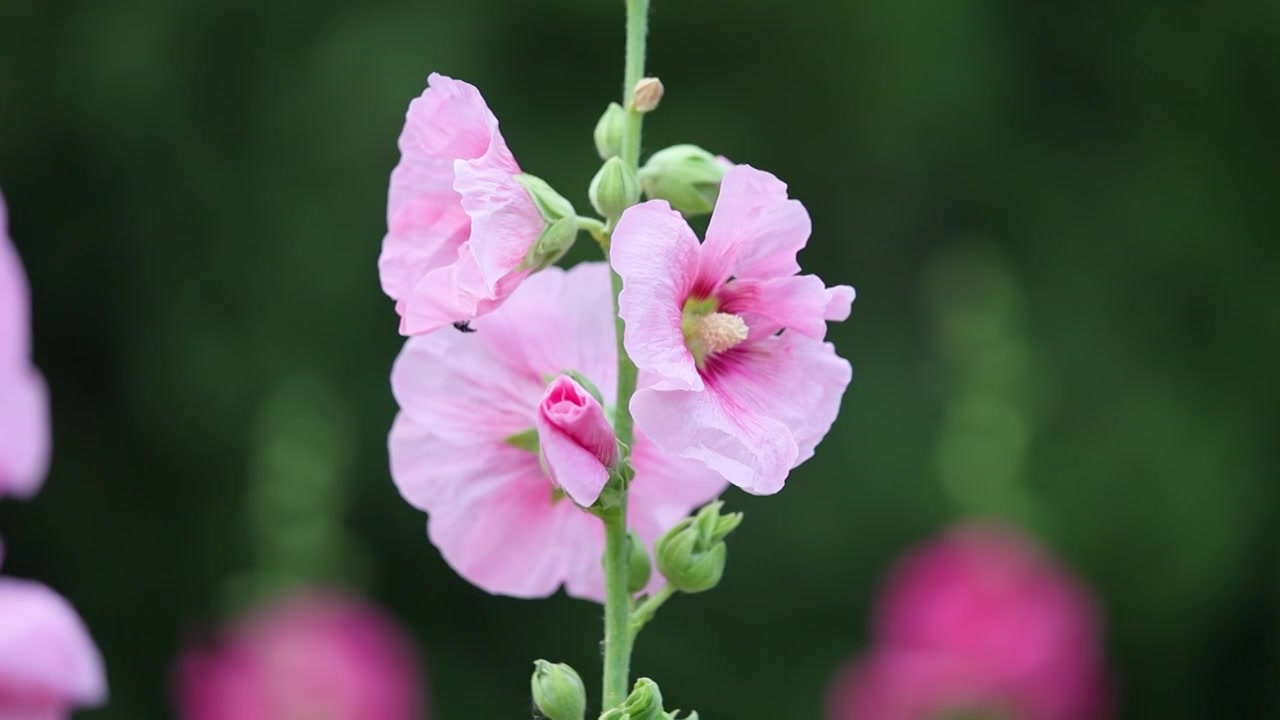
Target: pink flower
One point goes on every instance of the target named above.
(312, 655)
(727, 336)
(24, 401)
(979, 621)
(48, 663)
(577, 443)
(459, 224)
(461, 450)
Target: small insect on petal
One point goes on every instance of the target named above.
(463, 326)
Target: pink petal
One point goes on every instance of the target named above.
(24, 431)
(47, 659)
(839, 302)
(15, 308)
(427, 265)
(797, 303)
(558, 320)
(668, 487)
(455, 384)
(656, 254)
(576, 440)
(505, 222)
(512, 539)
(755, 231)
(767, 405)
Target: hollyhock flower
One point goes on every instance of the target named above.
(24, 402)
(728, 338)
(48, 663)
(982, 622)
(309, 655)
(577, 442)
(463, 447)
(462, 227)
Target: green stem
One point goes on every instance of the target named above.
(617, 604)
(648, 608)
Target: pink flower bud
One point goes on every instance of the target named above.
(308, 656)
(577, 442)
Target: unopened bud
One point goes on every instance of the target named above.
(614, 188)
(551, 204)
(691, 556)
(686, 176)
(609, 131)
(647, 95)
(644, 702)
(558, 692)
(638, 568)
(556, 239)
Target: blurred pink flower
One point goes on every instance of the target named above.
(459, 225)
(979, 621)
(24, 401)
(317, 656)
(577, 443)
(721, 382)
(467, 400)
(48, 663)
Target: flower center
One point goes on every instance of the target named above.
(707, 331)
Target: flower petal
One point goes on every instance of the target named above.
(656, 254)
(505, 222)
(454, 384)
(797, 303)
(558, 320)
(24, 432)
(755, 230)
(47, 658)
(768, 404)
(15, 307)
(839, 302)
(510, 540)
(575, 439)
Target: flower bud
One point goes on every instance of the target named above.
(550, 203)
(558, 692)
(644, 702)
(614, 188)
(647, 94)
(692, 554)
(686, 176)
(578, 445)
(609, 131)
(638, 569)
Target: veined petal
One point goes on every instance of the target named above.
(505, 222)
(755, 230)
(797, 303)
(656, 253)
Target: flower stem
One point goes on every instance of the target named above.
(617, 605)
(645, 612)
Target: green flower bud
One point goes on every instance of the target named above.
(686, 176)
(609, 131)
(638, 569)
(550, 203)
(692, 554)
(614, 188)
(556, 239)
(558, 692)
(644, 702)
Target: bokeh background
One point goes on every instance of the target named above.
(1060, 217)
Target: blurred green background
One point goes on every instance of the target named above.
(1060, 217)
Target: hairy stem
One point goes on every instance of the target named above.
(617, 605)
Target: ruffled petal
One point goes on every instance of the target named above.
(839, 302)
(797, 303)
(505, 222)
(755, 230)
(24, 432)
(656, 254)
(15, 308)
